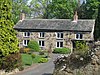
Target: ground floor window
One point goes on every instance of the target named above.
(41, 43)
(25, 42)
(59, 44)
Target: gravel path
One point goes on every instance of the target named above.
(41, 69)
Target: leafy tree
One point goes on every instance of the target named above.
(18, 7)
(8, 40)
(61, 9)
(39, 7)
(97, 25)
(88, 10)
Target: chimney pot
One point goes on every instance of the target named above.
(75, 17)
(22, 16)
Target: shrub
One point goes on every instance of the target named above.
(33, 55)
(62, 50)
(43, 60)
(24, 50)
(41, 53)
(34, 45)
(10, 62)
(81, 48)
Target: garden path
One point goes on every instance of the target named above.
(41, 69)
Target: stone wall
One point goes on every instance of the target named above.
(74, 65)
(50, 39)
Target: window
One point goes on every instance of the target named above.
(25, 42)
(79, 36)
(41, 43)
(41, 34)
(59, 44)
(26, 34)
(59, 35)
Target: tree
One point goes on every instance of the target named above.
(8, 40)
(97, 25)
(88, 10)
(38, 8)
(18, 7)
(61, 9)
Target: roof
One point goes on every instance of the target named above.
(55, 24)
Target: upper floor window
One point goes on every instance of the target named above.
(79, 36)
(41, 34)
(25, 42)
(26, 34)
(59, 35)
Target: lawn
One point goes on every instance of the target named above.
(28, 60)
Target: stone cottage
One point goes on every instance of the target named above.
(54, 33)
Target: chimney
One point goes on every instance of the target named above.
(75, 18)
(22, 16)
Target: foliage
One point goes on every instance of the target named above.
(10, 62)
(43, 60)
(38, 7)
(62, 50)
(88, 10)
(61, 9)
(18, 7)
(33, 55)
(24, 50)
(8, 40)
(26, 59)
(81, 48)
(34, 45)
(97, 26)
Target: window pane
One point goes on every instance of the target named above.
(81, 36)
(42, 34)
(24, 42)
(77, 36)
(57, 44)
(25, 34)
(27, 42)
(61, 44)
(61, 35)
(42, 43)
(57, 35)
(28, 33)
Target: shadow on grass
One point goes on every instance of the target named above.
(47, 74)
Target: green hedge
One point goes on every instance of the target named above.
(33, 45)
(62, 50)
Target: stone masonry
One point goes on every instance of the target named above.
(51, 39)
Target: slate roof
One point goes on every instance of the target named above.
(55, 24)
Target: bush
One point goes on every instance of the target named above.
(34, 45)
(33, 55)
(10, 62)
(41, 53)
(62, 50)
(43, 60)
(24, 50)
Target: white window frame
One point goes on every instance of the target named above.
(41, 34)
(59, 44)
(41, 45)
(60, 34)
(79, 36)
(26, 42)
(26, 34)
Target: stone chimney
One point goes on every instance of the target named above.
(75, 18)
(22, 16)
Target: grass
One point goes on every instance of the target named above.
(28, 60)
